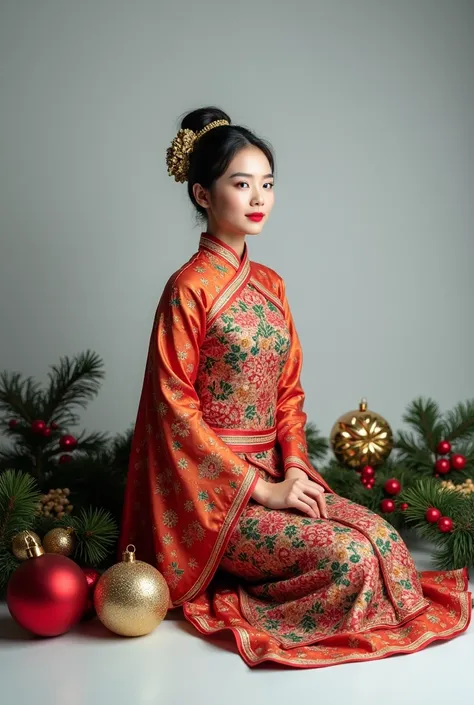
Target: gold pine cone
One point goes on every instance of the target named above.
(55, 503)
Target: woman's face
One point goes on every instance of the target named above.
(243, 191)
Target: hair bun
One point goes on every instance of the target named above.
(198, 119)
(193, 127)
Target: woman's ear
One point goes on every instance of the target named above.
(201, 196)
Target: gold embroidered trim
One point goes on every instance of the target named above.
(236, 283)
(219, 250)
(388, 650)
(298, 462)
(234, 510)
(266, 292)
(251, 440)
(294, 460)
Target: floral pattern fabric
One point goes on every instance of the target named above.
(308, 579)
(241, 361)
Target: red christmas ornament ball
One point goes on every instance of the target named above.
(54, 425)
(387, 505)
(432, 515)
(393, 486)
(92, 577)
(404, 506)
(38, 426)
(46, 432)
(67, 442)
(442, 466)
(368, 471)
(13, 424)
(445, 524)
(47, 595)
(443, 448)
(63, 459)
(458, 461)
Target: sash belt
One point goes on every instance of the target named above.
(244, 440)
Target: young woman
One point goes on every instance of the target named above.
(221, 495)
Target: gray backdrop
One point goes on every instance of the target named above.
(369, 105)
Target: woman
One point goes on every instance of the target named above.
(221, 495)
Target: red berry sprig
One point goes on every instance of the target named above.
(444, 465)
(458, 461)
(393, 486)
(367, 476)
(443, 448)
(387, 506)
(67, 442)
(433, 516)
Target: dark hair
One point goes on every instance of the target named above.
(214, 151)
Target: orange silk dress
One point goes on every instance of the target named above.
(221, 406)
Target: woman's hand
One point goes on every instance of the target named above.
(294, 492)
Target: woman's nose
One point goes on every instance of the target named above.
(257, 199)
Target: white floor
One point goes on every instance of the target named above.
(176, 666)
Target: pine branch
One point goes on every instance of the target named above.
(92, 442)
(87, 444)
(120, 449)
(454, 549)
(424, 416)
(72, 383)
(18, 500)
(43, 524)
(17, 458)
(317, 445)
(92, 481)
(19, 397)
(8, 565)
(457, 477)
(459, 422)
(428, 493)
(406, 443)
(96, 533)
(415, 457)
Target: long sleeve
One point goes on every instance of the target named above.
(183, 478)
(175, 358)
(291, 417)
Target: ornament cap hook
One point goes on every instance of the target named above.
(33, 548)
(363, 404)
(128, 556)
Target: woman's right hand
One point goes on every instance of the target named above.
(296, 493)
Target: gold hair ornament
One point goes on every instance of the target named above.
(177, 156)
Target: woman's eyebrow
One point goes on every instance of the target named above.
(249, 176)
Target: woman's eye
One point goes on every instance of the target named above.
(269, 185)
(242, 183)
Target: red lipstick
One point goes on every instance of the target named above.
(256, 217)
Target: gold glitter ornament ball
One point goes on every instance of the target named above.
(131, 598)
(361, 438)
(20, 543)
(60, 540)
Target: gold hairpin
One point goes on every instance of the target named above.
(177, 155)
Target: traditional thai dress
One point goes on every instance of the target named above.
(221, 406)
